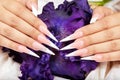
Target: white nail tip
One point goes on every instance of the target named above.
(54, 46)
(70, 54)
(67, 47)
(33, 54)
(49, 52)
(93, 20)
(66, 39)
(52, 37)
(87, 58)
(35, 12)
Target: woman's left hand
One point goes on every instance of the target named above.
(100, 40)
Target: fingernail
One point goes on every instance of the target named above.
(78, 53)
(72, 36)
(47, 32)
(46, 41)
(87, 58)
(71, 46)
(38, 46)
(67, 38)
(34, 10)
(53, 45)
(25, 50)
(70, 54)
(48, 51)
(94, 19)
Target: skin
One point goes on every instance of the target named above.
(19, 28)
(100, 40)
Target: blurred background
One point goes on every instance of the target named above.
(113, 4)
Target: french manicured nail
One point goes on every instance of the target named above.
(25, 50)
(87, 58)
(68, 47)
(38, 46)
(72, 36)
(93, 20)
(97, 58)
(73, 45)
(46, 41)
(80, 52)
(47, 32)
(34, 10)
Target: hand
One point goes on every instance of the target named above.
(19, 28)
(100, 40)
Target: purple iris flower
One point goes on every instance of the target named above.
(61, 22)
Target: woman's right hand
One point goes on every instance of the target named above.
(19, 28)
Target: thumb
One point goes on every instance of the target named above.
(100, 12)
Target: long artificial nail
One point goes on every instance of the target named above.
(72, 36)
(78, 53)
(74, 45)
(70, 54)
(87, 58)
(67, 38)
(53, 45)
(93, 20)
(38, 46)
(35, 12)
(25, 50)
(46, 41)
(47, 32)
(68, 47)
(52, 37)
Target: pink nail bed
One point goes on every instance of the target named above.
(78, 34)
(22, 49)
(79, 44)
(83, 52)
(37, 46)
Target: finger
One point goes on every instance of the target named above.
(15, 46)
(97, 48)
(21, 11)
(12, 34)
(25, 28)
(16, 8)
(100, 12)
(111, 56)
(103, 36)
(105, 23)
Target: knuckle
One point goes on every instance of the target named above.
(109, 34)
(33, 33)
(14, 21)
(28, 42)
(7, 32)
(113, 45)
(105, 23)
(88, 40)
